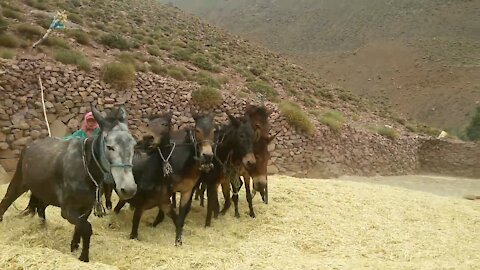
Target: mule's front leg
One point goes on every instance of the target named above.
(137, 215)
(265, 194)
(119, 206)
(185, 205)
(108, 196)
(86, 232)
(226, 196)
(212, 203)
(235, 200)
(249, 199)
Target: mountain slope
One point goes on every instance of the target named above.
(435, 45)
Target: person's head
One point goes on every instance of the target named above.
(89, 123)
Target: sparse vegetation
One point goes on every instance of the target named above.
(388, 132)
(30, 31)
(153, 50)
(119, 75)
(205, 79)
(333, 119)
(38, 4)
(56, 42)
(12, 14)
(263, 88)
(75, 18)
(115, 41)
(202, 62)
(207, 97)
(472, 131)
(3, 24)
(70, 57)
(7, 53)
(9, 41)
(80, 36)
(181, 54)
(296, 117)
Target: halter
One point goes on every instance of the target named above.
(203, 167)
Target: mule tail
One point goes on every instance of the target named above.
(15, 188)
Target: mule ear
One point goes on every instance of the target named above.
(235, 122)
(98, 116)
(122, 114)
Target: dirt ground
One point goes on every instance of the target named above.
(309, 224)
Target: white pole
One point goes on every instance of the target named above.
(43, 104)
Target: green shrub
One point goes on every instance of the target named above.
(181, 54)
(75, 18)
(472, 131)
(296, 117)
(115, 41)
(119, 75)
(3, 25)
(333, 119)
(7, 53)
(153, 50)
(12, 14)
(30, 31)
(205, 79)
(159, 69)
(43, 20)
(53, 41)
(80, 36)
(126, 57)
(202, 62)
(38, 4)
(9, 41)
(70, 57)
(207, 97)
(388, 132)
(164, 45)
(263, 88)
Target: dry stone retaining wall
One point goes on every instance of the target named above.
(69, 93)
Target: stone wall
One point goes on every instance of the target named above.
(449, 157)
(69, 93)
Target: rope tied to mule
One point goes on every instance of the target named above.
(98, 209)
(167, 167)
(58, 22)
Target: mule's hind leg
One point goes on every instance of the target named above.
(31, 207)
(202, 190)
(265, 194)
(159, 218)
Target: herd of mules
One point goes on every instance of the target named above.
(75, 174)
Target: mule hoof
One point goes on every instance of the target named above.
(134, 236)
(237, 215)
(73, 247)
(153, 225)
(1, 218)
(84, 258)
(178, 242)
(252, 215)
(108, 205)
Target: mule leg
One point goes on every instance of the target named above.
(14, 190)
(265, 195)
(174, 200)
(31, 207)
(235, 200)
(212, 202)
(159, 218)
(83, 229)
(203, 188)
(108, 196)
(249, 198)
(226, 196)
(185, 205)
(119, 206)
(137, 215)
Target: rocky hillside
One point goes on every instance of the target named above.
(420, 57)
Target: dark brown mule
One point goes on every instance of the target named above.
(69, 174)
(188, 152)
(233, 149)
(159, 127)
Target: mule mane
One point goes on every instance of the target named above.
(257, 111)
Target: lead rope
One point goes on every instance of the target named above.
(167, 167)
(98, 209)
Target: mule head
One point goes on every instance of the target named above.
(116, 148)
(204, 135)
(259, 119)
(159, 126)
(242, 140)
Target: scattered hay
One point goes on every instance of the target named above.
(309, 224)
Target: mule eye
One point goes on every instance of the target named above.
(110, 148)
